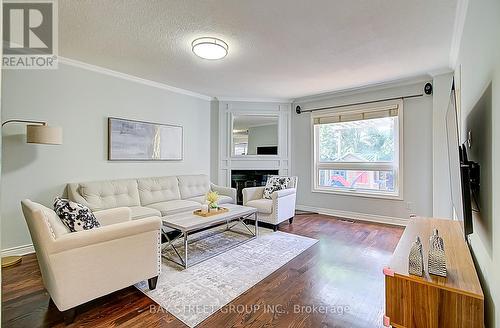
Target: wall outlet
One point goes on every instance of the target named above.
(409, 206)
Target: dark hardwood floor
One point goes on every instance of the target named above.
(336, 283)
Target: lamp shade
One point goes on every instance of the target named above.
(43, 134)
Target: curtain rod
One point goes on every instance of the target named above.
(427, 90)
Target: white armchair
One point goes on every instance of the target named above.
(279, 208)
(80, 266)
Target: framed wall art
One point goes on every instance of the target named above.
(130, 140)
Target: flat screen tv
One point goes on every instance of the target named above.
(464, 174)
(267, 150)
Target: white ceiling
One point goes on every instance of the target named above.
(277, 49)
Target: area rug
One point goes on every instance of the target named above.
(192, 295)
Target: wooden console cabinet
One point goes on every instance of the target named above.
(430, 301)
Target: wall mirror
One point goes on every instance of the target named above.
(254, 135)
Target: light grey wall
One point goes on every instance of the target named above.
(80, 101)
(417, 163)
(262, 136)
(479, 64)
(214, 139)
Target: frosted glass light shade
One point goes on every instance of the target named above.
(210, 48)
(43, 134)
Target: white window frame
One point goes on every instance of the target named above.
(397, 165)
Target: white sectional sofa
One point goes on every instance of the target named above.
(146, 197)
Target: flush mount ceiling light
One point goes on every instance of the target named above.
(210, 48)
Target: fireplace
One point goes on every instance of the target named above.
(241, 179)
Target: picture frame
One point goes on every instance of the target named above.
(133, 140)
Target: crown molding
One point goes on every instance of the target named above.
(440, 71)
(132, 78)
(458, 29)
(365, 88)
(268, 100)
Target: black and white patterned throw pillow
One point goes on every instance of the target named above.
(274, 184)
(76, 217)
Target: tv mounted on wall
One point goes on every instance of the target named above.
(464, 174)
(267, 150)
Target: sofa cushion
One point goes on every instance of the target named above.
(193, 185)
(175, 206)
(141, 212)
(101, 195)
(76, 217)
(158, 189)
(222, 199)
(262, 205)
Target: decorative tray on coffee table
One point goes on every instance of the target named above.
(212, 212)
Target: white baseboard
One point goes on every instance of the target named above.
(18, 250)
(354, 215)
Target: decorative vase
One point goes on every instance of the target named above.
(437, 256)
(416, 259)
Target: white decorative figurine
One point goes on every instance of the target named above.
(437, 257)
(416, 259)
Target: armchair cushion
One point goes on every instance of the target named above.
(252, 193)
(262, 205)
(75, 216)
(274, 184)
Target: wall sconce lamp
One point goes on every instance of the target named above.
(37, 132)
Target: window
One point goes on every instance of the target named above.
(357, 151)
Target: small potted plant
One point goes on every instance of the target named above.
(212, 199)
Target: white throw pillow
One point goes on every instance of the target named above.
(275, 184)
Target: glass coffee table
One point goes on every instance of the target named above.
(188, 223)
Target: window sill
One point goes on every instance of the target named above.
(389, 196)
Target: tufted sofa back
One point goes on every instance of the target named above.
(159, 189)
(101, 195)
(193, 185)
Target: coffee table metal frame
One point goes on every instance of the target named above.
(185, 233)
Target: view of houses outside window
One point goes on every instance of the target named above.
(358, 155)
